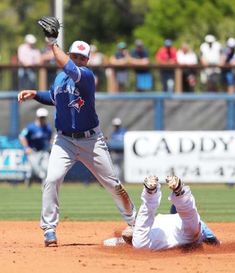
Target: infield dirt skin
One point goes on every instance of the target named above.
(80, 249)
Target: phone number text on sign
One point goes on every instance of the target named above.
(198, 156)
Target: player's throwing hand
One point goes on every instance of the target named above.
(26, 95)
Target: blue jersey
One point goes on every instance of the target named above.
(118, 134)
(116, 142)
(140, 54)
(38, 137)
(73, 94)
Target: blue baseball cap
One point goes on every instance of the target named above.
(121, 45)
(168, 42)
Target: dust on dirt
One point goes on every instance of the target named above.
(80, 249)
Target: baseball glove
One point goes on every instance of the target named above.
(50, 26)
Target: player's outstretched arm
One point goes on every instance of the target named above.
(42, 97)
(61, 57)
(50, 26)
(26, 95)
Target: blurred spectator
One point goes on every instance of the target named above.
(167, 55)
(117, 136)
(185, 56)
(211, 55)
(28, 55)
(35, 139)
(121, 57)
(228, 58)
(47, 58)
(96, 59)
(116, 145)
(139, 56)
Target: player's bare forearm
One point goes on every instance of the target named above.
(42, 97)
(61, 57)
(25, 145)
(26, 95)
(23, 141)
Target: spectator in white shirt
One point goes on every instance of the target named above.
(28, 55)
(97, 59)
(186, 57)
(211, 55)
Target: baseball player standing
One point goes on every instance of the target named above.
(169, 230)
(36, 141)
(78, 133)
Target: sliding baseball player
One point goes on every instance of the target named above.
(169, 230)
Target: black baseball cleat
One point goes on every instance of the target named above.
(211, 241)
(175, 184)
(127, 234)
(151, 183)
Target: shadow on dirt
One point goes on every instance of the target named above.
(78, 244)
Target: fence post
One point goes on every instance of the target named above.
(230, 115)
(178, 80)
(14, 118)
(42, 75)
(159, 114)
(112, 86)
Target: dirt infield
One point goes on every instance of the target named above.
(80, 249)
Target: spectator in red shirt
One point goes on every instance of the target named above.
(167, 55)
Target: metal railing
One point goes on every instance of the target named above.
(9, 78)
(160, 98)
(158, 105)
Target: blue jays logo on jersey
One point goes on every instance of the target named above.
(77, 104)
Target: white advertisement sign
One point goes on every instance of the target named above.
(194, 156)
(13, 164)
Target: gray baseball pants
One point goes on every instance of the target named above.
(38, 164)
(94, 154)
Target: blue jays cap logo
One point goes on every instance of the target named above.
(77, 104)
(81, 47)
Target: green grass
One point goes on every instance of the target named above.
(79, 202)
